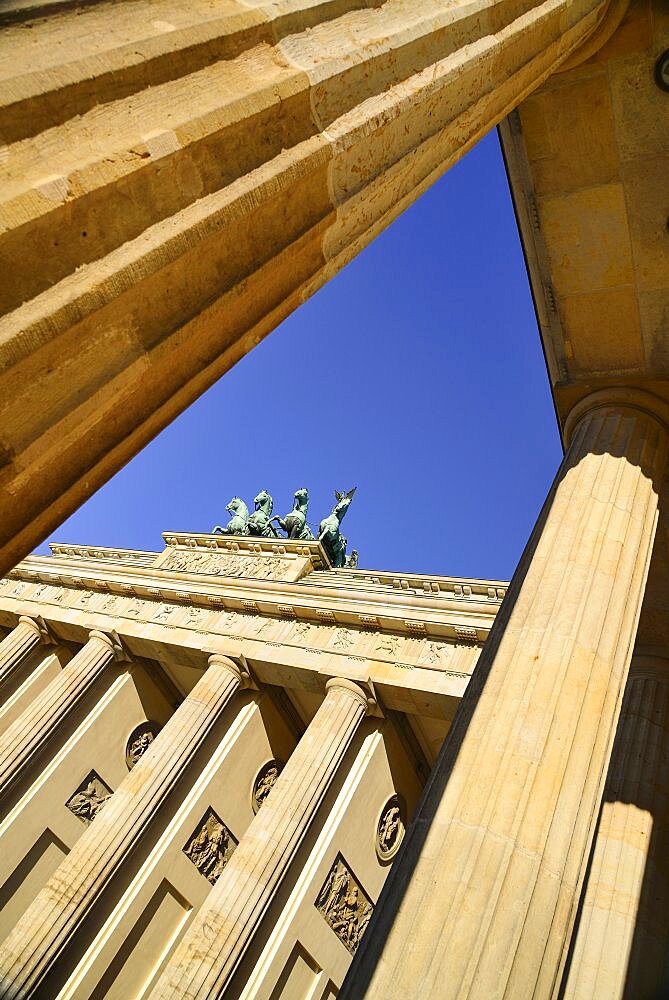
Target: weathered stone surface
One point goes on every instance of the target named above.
(589, 165)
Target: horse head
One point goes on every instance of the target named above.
(343, 502)
(264, 502)
(301, 499)
(237, 506)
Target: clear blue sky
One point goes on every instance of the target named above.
(416, 375)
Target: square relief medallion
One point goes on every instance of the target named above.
(89, 798)
(344, 904)
(210, 846)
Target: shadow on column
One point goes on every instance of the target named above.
(620, 943)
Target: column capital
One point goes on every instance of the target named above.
(239, 670)
(360, 691)
(608, 23)
(113, 640)
(40, 627)
(650, 665)
(619, 397)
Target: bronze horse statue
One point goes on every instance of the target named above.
(295, 523)
(260, 521)
(329, 534)
(238, 523)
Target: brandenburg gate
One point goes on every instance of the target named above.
(242, 765)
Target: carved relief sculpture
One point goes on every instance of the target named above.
(344, 904)
(344, 638)
(436, 652)
(224, 564)
(210, 846)
(390, 828)
(388, 644)
(265, 781)
(139, 741)
(89, 798)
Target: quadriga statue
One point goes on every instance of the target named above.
(238, 523)
(329, 534)
(260, 522)
(295, 523)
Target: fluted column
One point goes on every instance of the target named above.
(35, 727)
(49, 928)
(209, 954)
(482, 900)
(622, 936)
(194, 189)
(17, 647)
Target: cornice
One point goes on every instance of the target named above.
(369, 580)
(253, 544)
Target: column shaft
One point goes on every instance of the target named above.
(483, 898)
(17, 647)
(622, 937)
(50, 925)
(36, 726)
(209, 954)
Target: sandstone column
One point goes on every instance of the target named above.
(166, 205)
(482, 900)
(26, 738)
(209, 954)
(622, 936)
(49, 927)
(19, 644)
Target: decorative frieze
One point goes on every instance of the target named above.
(179, 609)
(218, 563)
(435, 653)
(210, 846)
(345, 639)
(345, 905)
(388, 645)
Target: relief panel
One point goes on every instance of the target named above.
(210, 846)
(228, 564)
(139, 741)
(345, 905)
(264, 782)
(89, 798)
